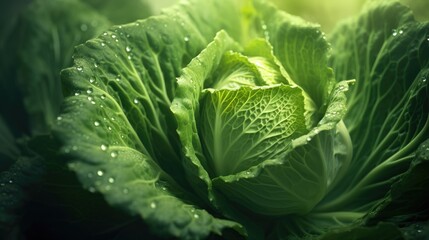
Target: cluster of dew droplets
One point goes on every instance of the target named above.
(101, 180)
(397, 32)
(265, 30)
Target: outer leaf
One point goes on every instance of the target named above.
(388, 117)
(403, 203)
(117, 125)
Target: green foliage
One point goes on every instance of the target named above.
(214, 119)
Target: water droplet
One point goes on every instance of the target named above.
(83, 27)
(100, 173)
(103, 44)
(264, 26)
(186, 39)
(89, 98)
(128, 48)
(89, 91)
(110, 128)
(196, 216)
(136, 101)
(91, 80)
(10, 181)
(111, 180)
(113, 36)
(59, 118)
(79, 68)
(401, 31)
(104, 147)
(96, 65)
(308, 139)
(103, 96)
(152, 205)
(114, 154)
(129, 57)
(394, 32)
(96, 123)
(77, 93)
(93, 102)
(112, 118)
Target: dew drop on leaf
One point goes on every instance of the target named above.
(96, 123)
(103, 147)
(100, 173)
(114, 154)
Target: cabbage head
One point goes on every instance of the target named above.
(236, 119)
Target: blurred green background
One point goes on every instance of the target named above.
(325, 12)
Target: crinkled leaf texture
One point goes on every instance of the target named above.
(40, 44)
(253, 144)
(147, 110)
(387, 51)
(117, 125)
